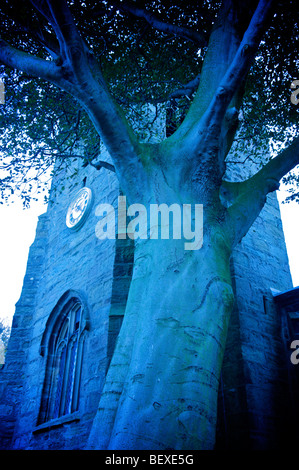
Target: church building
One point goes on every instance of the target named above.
(71, 309)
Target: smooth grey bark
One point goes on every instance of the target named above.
(169, 396)
(162, 383)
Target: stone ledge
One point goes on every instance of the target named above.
(55, 423)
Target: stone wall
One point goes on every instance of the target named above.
(61, 260)
(254, 388)
(12, 374)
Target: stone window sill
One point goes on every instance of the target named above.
(55, 423)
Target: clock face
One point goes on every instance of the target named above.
(79, 209)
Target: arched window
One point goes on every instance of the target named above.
(63, 344)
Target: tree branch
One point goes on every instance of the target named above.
(102, 164)
(154, 22)
(80, 75)
(34, 30)
(29, 64)
(225, 67)
(186, 90)
(86, 161)
(270, 175)
(72, 48)
(250, 195)
(91, 90)
(239, 66)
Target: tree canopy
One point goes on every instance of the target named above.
(149, 52)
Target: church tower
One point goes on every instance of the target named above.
(71, 309)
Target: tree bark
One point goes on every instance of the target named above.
(162, 384)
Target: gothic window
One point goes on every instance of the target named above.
(64, 345)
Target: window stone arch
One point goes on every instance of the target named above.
(62, 346)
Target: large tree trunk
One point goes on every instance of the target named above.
(162, 384)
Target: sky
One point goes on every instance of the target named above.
(290, 223)
(17, 233)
